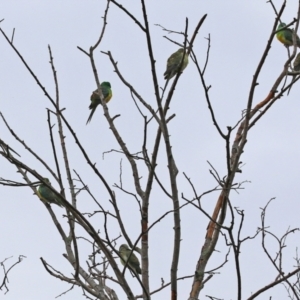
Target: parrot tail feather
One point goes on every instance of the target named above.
(91, 115)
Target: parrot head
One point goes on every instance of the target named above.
(47, 181)
(106, 84)
(123, 247)
(281, 25)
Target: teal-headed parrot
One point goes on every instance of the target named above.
(296, 69)
(46, 195)
(285, 36)
(95, 98)
(133, 262)
(174, 62)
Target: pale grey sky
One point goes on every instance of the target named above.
(239, 31)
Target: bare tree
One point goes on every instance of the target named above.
(99, 274)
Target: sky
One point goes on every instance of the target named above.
(239, 31)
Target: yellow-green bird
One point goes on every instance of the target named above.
(133, 262)
(174, 62)
(46, 195)
(285, 36)
(95, 98)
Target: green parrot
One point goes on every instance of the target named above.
(46, 195)
(95, 98)
(285, 36)
(133, 263)
(296, 68)
(174, 62)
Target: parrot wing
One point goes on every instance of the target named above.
(173, 64)
(47, 195)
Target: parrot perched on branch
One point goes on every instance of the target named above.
(95, 98)
(133, 262)
(285, 36)
(174, 62)
(46, 195)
